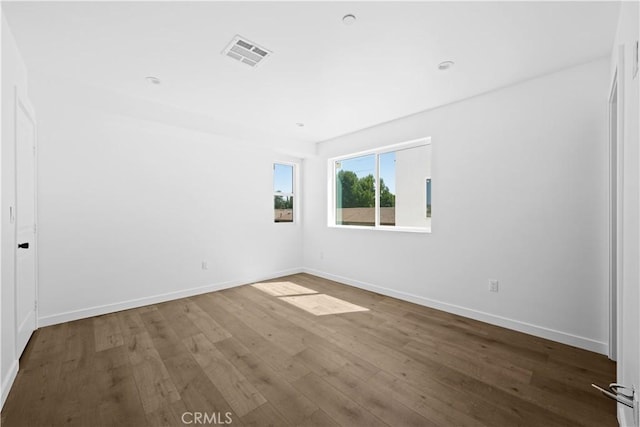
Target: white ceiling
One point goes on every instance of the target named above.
(334, 78)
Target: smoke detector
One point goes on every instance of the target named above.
(246, 51)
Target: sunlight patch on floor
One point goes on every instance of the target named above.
(321, 304)
(278, 289)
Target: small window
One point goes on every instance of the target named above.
(388, 188)
(283, 189)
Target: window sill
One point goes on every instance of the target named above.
(418, 230)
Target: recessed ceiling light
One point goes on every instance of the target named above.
(300, 125)
(445, 65)
(348, 19)
(152, 80)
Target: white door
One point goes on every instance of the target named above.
(25, 226)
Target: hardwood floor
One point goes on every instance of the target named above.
(251, 357)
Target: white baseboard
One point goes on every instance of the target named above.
(140, 302)
(8, 382)
(527, 328)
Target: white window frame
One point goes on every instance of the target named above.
(331, 197)
(294, 194)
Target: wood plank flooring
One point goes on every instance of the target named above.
(249, 356)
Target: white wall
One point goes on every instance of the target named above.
(129, 209)
(14, 74)
(629, 316)
(519, 195)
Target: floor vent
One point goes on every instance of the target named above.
(246, 51)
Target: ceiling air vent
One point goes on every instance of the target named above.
(246, 52)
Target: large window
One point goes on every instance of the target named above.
(355, 191)
(387, 188)
(283, 188)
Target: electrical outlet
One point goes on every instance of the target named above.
(321, 255)
(205, 265)
(493, 285)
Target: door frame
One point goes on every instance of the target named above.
(21, 103)
(616, 165)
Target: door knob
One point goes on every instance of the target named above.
(24, 245)
(615, 393)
